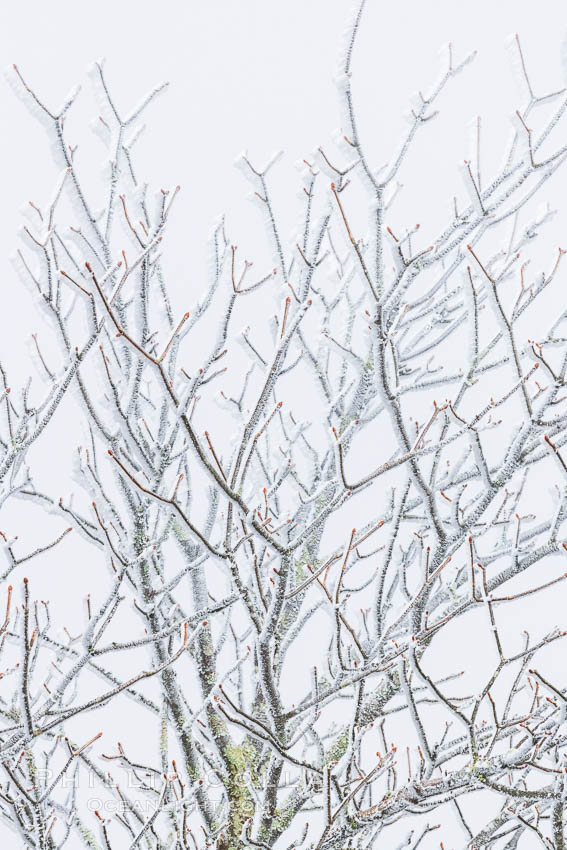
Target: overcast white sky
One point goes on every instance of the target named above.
(259, 75)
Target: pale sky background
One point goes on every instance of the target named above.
(260, 76)
(257, 75)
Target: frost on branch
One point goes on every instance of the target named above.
(309, 506)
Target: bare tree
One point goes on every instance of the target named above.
(291, 690)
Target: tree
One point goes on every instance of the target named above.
(273, 655)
